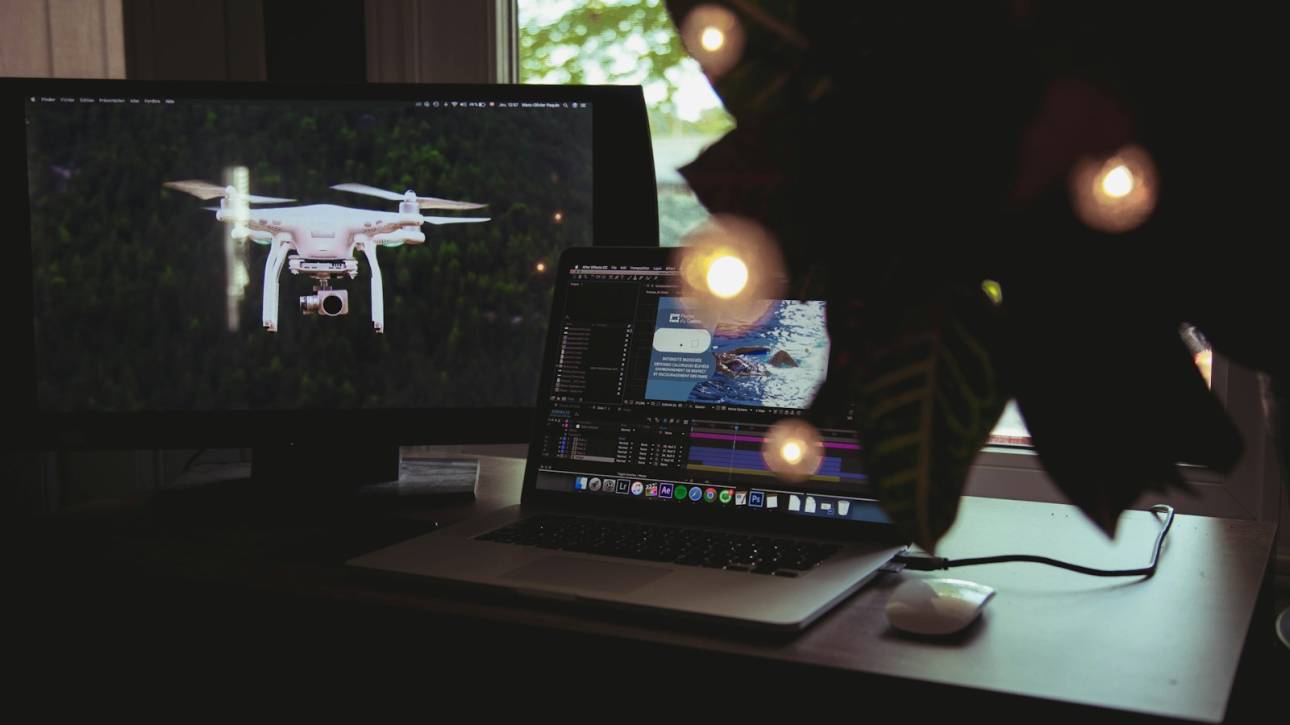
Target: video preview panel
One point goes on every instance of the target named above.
(195, 255)
(777, 360)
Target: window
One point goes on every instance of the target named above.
(632, 42)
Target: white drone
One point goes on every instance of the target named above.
(325, 238)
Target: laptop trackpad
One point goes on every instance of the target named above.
(575, 573)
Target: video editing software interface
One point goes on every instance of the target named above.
(372, 254)
(649, 402)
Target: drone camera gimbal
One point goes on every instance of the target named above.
(325, 302)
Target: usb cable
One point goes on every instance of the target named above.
(927, 562)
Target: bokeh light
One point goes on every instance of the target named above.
(730, 270)
(1118, 182)
(727, 276)
(1116, 193)
(714, 36)
(793, 449)
(712, 39)
(791, 452)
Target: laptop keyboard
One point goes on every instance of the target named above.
(668, 544)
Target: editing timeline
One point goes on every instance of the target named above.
(644, 445)
(714, 451)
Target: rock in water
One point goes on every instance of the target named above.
(781, 359)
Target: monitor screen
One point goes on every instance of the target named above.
(645, 402)
(215, 255)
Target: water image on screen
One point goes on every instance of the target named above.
(778, 360)
(156, 288)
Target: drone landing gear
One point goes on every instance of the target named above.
(272, 269)
(378, 293)
(325, 301)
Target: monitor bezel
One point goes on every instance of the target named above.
(625, 212)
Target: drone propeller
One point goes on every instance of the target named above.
(425, 202)
(205, 190)
(455, 219)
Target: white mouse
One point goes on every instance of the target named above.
(936, 606)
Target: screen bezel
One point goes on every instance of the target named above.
(728, 516)
(625, 212)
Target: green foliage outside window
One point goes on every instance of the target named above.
(632, 41)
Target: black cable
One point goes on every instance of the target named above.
(917, 562)
(191, 460)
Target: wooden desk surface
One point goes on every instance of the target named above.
(1167, 646)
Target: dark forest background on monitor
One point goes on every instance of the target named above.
(131, 284)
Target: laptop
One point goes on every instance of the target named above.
(646, 486)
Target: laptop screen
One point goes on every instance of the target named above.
(645, 402)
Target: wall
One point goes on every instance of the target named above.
(440, 41)
(194, 40)
(62, 39)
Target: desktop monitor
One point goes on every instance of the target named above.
(337, 268)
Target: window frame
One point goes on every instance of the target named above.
(442, 41)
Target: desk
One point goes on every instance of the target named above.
(1169, 646)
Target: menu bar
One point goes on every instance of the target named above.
(110, 100)
(439, 104)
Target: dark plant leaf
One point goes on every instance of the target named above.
(1110, 394)
(746, 172)
(926, 405)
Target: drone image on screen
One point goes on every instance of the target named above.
(324, 238)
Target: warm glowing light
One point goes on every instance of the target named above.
(557, 217)
(1115, 193)
(714, 36)
(712, 39)
(727, 276)
(730, 270)
(1118, 182)
(541, 267)
(793, 449)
